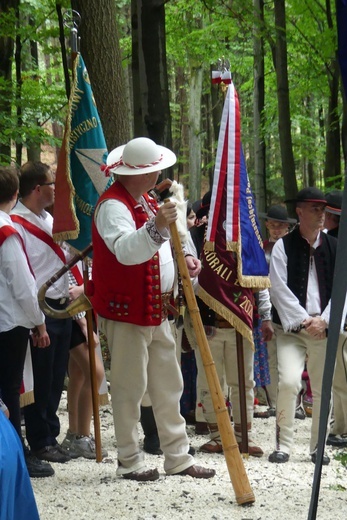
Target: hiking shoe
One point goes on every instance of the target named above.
(85, 447)
(37, 468)
(52, 454)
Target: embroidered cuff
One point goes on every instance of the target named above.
(153, 232)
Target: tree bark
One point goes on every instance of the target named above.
(195, 91)
(102, 56)
(279, 53)
(259, 104)
(6, 55)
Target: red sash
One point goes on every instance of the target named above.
(47, 239)
(7, 231)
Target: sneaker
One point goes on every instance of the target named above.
(67, 443)
(85, 447)
(37, 468)
(69, 438)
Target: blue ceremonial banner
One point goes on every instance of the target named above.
(79, 180)
(233, 260)
(232, 202)
(252, 262)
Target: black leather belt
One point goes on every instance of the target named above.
(61, 303)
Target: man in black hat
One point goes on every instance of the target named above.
(301, 274)
(277, 224)
(333, 212)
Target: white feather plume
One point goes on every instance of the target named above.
(177, 196)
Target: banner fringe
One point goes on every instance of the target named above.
(103, 399)
(209, 246)
(223, 311)
(27, 398)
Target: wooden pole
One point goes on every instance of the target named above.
(242, 386)
(93, 381)
(237, 473)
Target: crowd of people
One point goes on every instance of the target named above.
(133, 288)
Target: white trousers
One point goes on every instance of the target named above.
(223, 350)
(144, 358)
(273, 368)
(292, 349)
(339, 426)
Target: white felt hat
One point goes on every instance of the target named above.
(138, 156)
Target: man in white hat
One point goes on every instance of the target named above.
(133, 274)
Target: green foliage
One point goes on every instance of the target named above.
(39, 96)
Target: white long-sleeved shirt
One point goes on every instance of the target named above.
(43, 260)
(291, 313)
(132, 246)
(18, 303)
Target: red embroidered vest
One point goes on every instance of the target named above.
(128, 293)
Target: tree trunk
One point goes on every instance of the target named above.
(33, 148)
(259, 104)
(99, 37)
(181, 141)
(154, 108)
(279, 53)
(6, 55)
(195, 91)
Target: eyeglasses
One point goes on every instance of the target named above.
(47, 184)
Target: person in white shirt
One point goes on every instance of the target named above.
(49, 368)
(301, 274)
(19, 309)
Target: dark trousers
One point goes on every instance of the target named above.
(13, 347)
(49, 369)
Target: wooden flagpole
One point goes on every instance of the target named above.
(93, 380)
(237, 473)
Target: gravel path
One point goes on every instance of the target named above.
(83, 489)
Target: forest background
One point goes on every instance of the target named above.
(150, 63)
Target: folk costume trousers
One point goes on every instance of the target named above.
(144, 358)
(292, 349)
(222, 343)
(339, 425)
(272, 360)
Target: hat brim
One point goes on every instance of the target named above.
(334, 211)
(168, 158)
(321, 201)
(287, 221)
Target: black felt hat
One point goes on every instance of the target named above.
(334, 202)
(310, 194)
(279, 213)
(204, 208)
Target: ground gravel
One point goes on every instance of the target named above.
(83, 489)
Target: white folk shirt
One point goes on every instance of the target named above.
(291, 313)
(18, 302)
(132, 246)
(43, 260)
